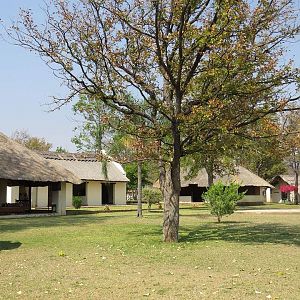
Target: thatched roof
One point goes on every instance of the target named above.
(288, 178)
(17, 163)
(242, 176)
(87, 167)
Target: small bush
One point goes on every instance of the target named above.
(77, 202)
(106, 208)
(222, 199)
(152, 196)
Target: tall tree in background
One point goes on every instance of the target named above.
(31, 142)
(292, 145)
(136, 156)
(197, 69)
(93, 133)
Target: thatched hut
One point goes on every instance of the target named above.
(97, 187)
(254, 186)
(280, 195)
(25, 168)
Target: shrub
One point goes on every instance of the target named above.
(106, 208)
(222, 199)
(152, 196)
(77, 202)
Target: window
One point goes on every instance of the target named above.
(79, 189)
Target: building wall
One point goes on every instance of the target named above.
(185, 198)
(39, 197)
(94, 193)
(69, 194)
(261, 197)
(12, 194)
(59, 199)
(120, 193)
(276, 193)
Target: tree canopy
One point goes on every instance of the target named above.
(197, 71)
(31, 142)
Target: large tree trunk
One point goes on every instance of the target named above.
(139, 195)
(170, 185)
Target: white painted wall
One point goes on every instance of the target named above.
(69, 194)
(39, 197)
(59, 199)
(94, 193)
(269, 195)
(120, 193)
(12, 194)
(185, 198)
(255, 198)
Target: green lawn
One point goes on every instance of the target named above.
(114, 255)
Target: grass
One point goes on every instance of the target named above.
(114, 255)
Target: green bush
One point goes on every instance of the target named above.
(152, 196)
(77, 202)
(222, 199)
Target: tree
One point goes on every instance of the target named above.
(31, 142)
(198, 70)
(94, 133)
(60, 149)
(222, 199)
(292, 144)
(134, 153)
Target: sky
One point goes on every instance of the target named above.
(27, 84)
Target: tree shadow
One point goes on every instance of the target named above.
(8, 245)
(242, 232)
(19, 224)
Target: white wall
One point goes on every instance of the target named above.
(94, 193)
(255, 198)
(120, 193)
(59, 199)
(12, 194)
(185, 198)
(39, 196)
(69, 194)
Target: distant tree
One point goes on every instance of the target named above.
(93, 132)
(31, 142)
(60, 149)
(292, 146)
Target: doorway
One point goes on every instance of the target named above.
(107, 193)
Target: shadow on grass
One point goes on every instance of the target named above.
(19, 224)
(241, 232)
(8, 245)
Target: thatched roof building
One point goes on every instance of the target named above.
(19, 164)
(86, 166)
(242, 176)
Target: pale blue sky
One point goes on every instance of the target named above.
(26, 83)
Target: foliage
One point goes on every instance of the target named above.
(77, 202)
(93, 132)
(60, 149)
(222, 199)
(31, 142)
(199, 70)
(288, 188)
(152, 196)
(131, 173)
